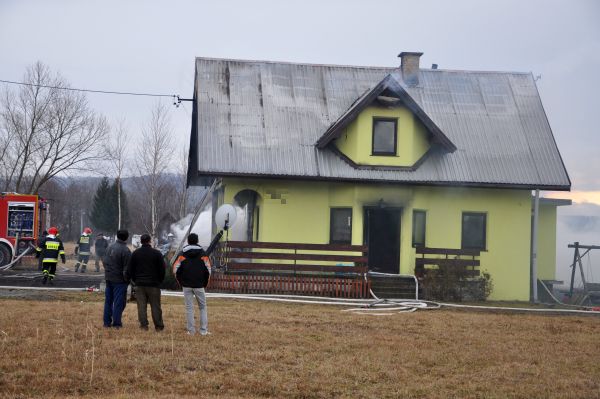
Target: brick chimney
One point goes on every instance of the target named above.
(409, 65)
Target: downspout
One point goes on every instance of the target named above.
(534, 245)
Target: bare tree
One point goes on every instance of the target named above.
(47, 131)
(116, 151)
(24, 117)
(154, 158)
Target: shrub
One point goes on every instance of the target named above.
(454, 284)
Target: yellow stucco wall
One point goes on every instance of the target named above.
(547, 242)
(298, 211)
(357, 141)
(508, 231)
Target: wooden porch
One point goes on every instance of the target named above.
(330, 270)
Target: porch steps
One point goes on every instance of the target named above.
(393, 287)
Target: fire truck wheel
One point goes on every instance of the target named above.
(4, 255)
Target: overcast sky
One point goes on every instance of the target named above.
(149, 46)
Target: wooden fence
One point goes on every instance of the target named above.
(464, 259)
(333, 270)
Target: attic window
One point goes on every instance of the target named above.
(385, 136)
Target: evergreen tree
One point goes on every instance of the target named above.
(104, 216)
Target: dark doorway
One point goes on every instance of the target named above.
(382, 236)
(247, 200)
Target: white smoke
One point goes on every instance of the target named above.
(578, 222)
(203, 227)
(238, 232)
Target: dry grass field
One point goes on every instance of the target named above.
(55, 346)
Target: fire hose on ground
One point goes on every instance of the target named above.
(373, 307)
(11, 264)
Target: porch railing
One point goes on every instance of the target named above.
(463, 259)
(334, 270)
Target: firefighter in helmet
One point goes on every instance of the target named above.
(50, 248)
(84, 248)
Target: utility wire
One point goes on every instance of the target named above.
(92, 91)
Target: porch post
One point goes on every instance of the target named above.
(534, 245)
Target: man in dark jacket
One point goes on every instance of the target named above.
(192, 269)
(146, 269)
(115, 264)
(100, 246)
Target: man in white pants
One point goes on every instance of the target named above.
(192, 270)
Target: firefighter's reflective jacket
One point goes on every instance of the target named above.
(84, 244)
(50, 249)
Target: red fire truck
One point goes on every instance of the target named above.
(20, 223)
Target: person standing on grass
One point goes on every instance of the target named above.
(146, 269)
(192, 270)
(115, 264)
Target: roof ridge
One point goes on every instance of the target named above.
(296, 63)
(358, 66)
(474, 71)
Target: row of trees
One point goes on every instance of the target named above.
(48, 135)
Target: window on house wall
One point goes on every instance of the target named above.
(473, 230)
(384, 136)
(418, 232)
(340, 230)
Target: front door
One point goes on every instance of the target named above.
(382, 236)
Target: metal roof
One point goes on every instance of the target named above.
(258, 118)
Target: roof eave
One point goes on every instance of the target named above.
(203, 176)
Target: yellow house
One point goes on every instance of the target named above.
(394, 158)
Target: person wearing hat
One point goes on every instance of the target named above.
(84, 248)
(50, 249)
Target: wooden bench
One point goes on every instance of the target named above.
(292, 268)
(456, 258)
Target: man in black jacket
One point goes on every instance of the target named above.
(115, 264)
(147, 270)
(100, 246)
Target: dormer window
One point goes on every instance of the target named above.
(385, 136)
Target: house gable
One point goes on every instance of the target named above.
(357, 142)
(392, 91)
